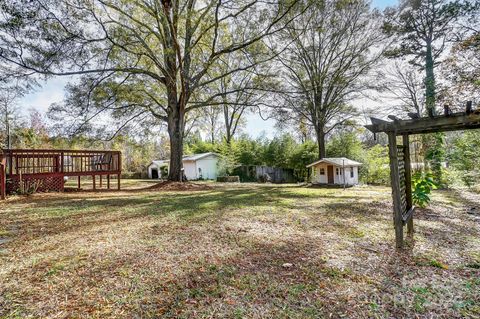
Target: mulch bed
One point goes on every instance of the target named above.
(178, 186)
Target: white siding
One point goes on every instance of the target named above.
(317, 177)
(337, 179)
(190, 168)
(205, 167)
(208, 166)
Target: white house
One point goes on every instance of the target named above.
(335, 171)
(197, 166)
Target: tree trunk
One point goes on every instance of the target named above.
(321, 143)
(176, 121)
(429, 81)
(228, 124)
(436, 148)
(228, 137)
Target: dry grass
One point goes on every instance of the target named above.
(220, 253)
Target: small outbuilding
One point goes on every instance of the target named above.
(197, 166)
(334, 171)
(158, 169)
(201, 166)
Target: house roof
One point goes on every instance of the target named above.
(196, 157)
(337, 161)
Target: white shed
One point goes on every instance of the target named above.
(197, 166)
(335, 171)
(201, 166)
(158, 169)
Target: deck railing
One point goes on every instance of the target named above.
(3, 179)
(67, 162)
(45, 170)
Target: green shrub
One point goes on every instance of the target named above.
(376, 168)
(422, 186)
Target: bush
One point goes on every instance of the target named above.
(228, 179)
(376, 170)
(422, 184)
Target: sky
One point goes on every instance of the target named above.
(52, 91)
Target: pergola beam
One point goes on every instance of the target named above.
(452, 122)
(400, 166)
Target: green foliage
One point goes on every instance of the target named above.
(278, 151)
(228, 160)
(422, 186)
(282, 151)
(303, 155)
(435, 154)
(465, 156)
(250, 151)
(376, 169)
(346, 145)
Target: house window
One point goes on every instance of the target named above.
(322, 171)
(351, 172)
(337, 170)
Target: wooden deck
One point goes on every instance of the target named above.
(45, 170)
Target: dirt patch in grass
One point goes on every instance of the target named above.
(177, 186)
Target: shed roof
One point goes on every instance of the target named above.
(337, 161)
(196, 157)
(159, 163)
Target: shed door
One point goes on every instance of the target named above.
(330, 174)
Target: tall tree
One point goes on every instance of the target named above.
(405, 88)
(330, 52)
(211, 121)
(424, 29)
(462, 67)
(137, 59)
(9, 112)
(241, 92)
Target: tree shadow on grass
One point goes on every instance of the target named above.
(281, 279)
(54, 214)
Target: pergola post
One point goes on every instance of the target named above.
(400, 166)
(408, 182)
(396, 191)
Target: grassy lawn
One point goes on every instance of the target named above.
(236, 251)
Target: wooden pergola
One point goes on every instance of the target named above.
(400, 166)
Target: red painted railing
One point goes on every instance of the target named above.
(67, 162)
(3, 179)
(51, 166)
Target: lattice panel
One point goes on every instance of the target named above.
(47, 183)
(401, 173)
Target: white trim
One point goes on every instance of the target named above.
(324, 160)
